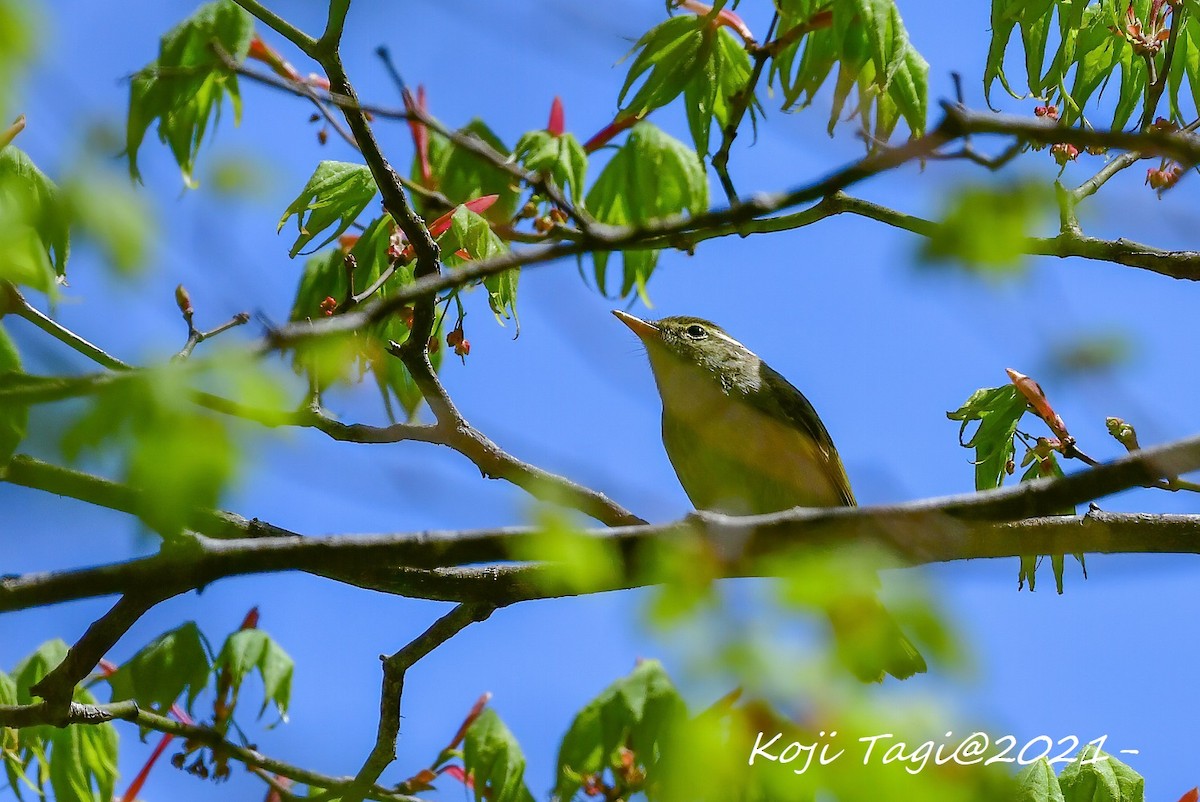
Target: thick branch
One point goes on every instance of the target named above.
(952, 528)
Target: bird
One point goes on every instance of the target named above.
(744, 441)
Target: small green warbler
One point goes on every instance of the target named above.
(744, 441)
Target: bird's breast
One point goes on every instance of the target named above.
(732, 457)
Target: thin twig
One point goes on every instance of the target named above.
(395, 667)
(740, 103)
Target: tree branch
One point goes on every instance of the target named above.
(395, 666)
(306, 44)
(933, 530)
(57, 688)
(81, 714)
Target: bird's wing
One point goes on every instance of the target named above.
(784, 400)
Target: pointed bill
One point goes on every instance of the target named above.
(641, 328)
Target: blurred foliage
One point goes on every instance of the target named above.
(573, 561)
(180, 456)
(1090, 354)
(14, 418)
(20, 33)
(185, 87)
(985, 228)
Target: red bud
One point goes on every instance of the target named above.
(555, 126)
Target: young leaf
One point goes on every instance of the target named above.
(1045, 465)
(1098, 777)
(637, 712)
(249, 649)
(172, 663)
(868, 42)
(185, 86)
(998, 409)
(561, 157)
(14, 418)
(30, 670)
(688, 55)
(469, 232)
(651, 177)
(336, 193)
(494, 760)
(35, 239)
(462, 175)
(83, 762)
(1037, 783)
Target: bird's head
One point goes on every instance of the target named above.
(683, 347)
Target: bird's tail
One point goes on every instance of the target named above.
(870, 642)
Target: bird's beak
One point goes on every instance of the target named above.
(642, 328)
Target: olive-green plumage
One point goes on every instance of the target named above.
(744, 441)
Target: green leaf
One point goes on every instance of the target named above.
(689, 55)
(494, 759)
(560, 157)
(35, 239)
(83, 763)
(1037, 783)
(1098, 777)
(1045, 467)
(986, 228)
(172, 663)
(669, 56)
(471, 233)
(802, 68)
(37, 665)
(14, 418)
(637, 712)
(336, 193)
(998, 410)
(180, 456)
(651, 177)
(461, 175)
(185, 86)
(249, 649)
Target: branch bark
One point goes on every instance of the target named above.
(969, 526)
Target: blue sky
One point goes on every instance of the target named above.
(880, 344)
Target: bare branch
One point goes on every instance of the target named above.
(307, 45)
(395, 666)
(82, 714)
(952, 528)
(57, 688)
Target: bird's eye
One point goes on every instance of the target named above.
(696, 332)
